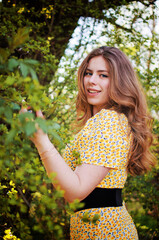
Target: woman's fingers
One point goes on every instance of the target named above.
(39, 114)
(23, 110)
(28, 109)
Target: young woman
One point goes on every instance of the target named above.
(114, 140)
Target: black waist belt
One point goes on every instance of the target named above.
(103, 197)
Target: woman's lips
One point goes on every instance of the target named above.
(92, 92)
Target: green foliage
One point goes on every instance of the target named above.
(77, 156)
(29, 205)
(87, 218)
(142, 199)
(19, 38)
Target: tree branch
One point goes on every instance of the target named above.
(22, 195)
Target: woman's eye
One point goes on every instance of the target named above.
(88, 74)
(104, 76)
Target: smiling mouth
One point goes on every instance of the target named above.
(93, 91)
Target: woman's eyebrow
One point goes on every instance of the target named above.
(97, 70)
(103, 71)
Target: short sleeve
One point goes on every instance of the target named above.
(104, 140)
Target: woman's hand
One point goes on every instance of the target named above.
(39, 138)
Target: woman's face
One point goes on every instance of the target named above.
(96, 81)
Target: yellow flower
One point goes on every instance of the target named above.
(9, 235)
(21, 10)
(12, 183)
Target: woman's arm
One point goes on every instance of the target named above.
(77, 184)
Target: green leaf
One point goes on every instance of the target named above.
(31, 61)
(26, 115)
(10, 80)
(15, 106)
(24, 69)
(33, 74)
(85, 217)
(95, 218)
(21, 37)
(12, 63)
(54, 126)
(42, 124)
(8, 113)
(10, 136)
(29, 128)
(76, 204)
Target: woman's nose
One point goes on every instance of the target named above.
(93, 79)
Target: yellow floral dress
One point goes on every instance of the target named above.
(105, 141)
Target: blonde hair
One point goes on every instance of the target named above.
(125, 95)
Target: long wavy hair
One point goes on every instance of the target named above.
(125, 95)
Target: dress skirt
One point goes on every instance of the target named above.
(114, 223)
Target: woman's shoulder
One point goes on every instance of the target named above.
(106, 118)
(107, 115)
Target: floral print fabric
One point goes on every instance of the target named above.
(115, 223)
(105, 141)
